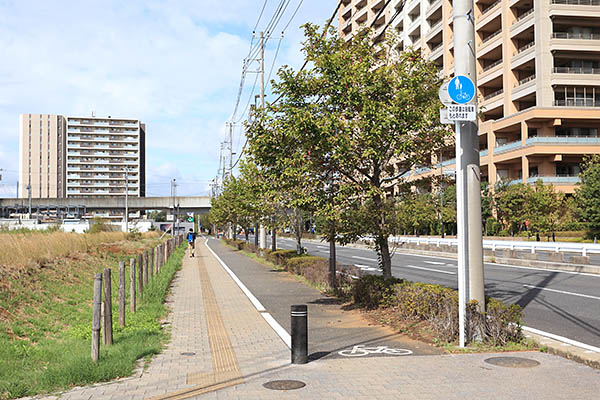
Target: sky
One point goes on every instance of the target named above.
(174, 64)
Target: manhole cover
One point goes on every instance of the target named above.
(284, 385)
(188, 353)
(512, 362)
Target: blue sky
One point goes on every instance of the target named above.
(174, 64)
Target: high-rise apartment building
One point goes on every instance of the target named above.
(81, 156)
(538, 79)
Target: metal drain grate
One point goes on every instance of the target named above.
(188, 353)
(512, 362)
(284, 385)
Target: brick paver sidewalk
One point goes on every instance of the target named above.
(236, 352)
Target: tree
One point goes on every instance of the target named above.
(510, 203)
(588, 195)
(542, 208)
(417, 213)
(360, 118)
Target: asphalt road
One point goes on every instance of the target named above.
(562, 303)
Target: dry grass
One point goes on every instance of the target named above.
(24, 249)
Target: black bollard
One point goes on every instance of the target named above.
(299, 334)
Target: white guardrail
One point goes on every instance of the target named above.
(533, 247)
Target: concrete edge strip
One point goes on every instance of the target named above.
(282, 333)
(562, 339)
(246, 291)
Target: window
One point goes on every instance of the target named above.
(533, 171)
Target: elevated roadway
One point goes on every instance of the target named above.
(196, 204)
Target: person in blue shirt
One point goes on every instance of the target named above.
(191, 239)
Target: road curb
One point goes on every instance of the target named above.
(563, 349)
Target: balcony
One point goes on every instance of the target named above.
(493, 94)
(576, 35)
(577, 103)
(562, 140)
(508, 147)
(525, 15)
(525, 80)
(490, 37)
(492, 65)
(576, 70)
(554, 179)
(489, 8)
(577, 2)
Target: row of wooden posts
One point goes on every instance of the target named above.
(149, 263)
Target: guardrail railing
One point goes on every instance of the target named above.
(488, 244)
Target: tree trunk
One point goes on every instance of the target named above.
(273, 239)
(299, 236)
(256, 235)
(246, 229)
(383, 248)
(332, 259)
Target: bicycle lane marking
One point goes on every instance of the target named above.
(362, 350)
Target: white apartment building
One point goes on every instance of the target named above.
(100, 151)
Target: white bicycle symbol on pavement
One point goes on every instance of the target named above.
(360, 350)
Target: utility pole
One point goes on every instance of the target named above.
(126, 199)
(174, 196)
(29, 197)
(443, 233)
(230, 149)
(470, 245)
(262, 231)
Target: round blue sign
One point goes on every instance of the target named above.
(461, 89)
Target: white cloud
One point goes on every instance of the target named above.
(175, 64)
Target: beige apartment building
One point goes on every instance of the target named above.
(538, 78)
(64, 156)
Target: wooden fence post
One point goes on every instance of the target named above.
(108, 339)
(151, 261)
(155, 260)
(132, 284)
(145, 255)
(149, 264)
(122, 293)
(96, 311)
(140, 274)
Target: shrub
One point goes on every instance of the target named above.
(280, 257)
(297, 264)
(371, 291)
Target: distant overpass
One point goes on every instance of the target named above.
(198, 205)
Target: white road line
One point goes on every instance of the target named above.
(429, 269)
(364, 258)
(365, 267)
(282, 333)
(562, 339)
(434, 262)
(488, 264)
(562, 291)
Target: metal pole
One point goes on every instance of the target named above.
(443, 233)
(470, 245)
(263, 232)
(299, 334)
(230, 149)
(126, 200)
(29, 197)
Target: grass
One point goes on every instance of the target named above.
(45, 317)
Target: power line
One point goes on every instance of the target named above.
(293, 15)
(260, 16)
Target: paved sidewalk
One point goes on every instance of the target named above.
(236, 352)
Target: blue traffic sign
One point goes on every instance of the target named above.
(461, 89)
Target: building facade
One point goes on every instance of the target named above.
(538, 79)
(65, 156)
(42, 160)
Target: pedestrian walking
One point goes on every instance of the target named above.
(191, 239)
